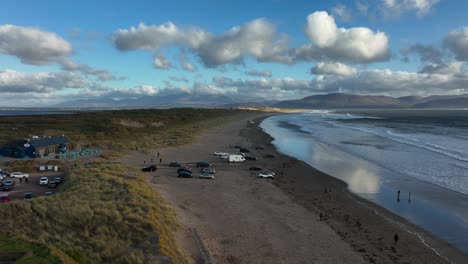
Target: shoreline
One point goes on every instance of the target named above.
(307, 191)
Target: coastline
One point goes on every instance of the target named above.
(367, 227)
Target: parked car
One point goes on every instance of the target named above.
(187, 169)
(250, 158)
(271, 156)
(28, 195)
(19, 175)
(5, 199)
(203, 164)
(244, 150)
(58, 180)
(259, 148)
(185, 174)
(52, 184)
(4, 173)
(265, 174)
(175, 164)
(208, 170)
(217, 153)
(44, 181)
(206, 176)
(150, 168)
(8, 185)
(255, 168)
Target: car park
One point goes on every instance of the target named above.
(208, 170)
(8, 185)
(203, 164)
(175, 164)
(150, 168)
(19, 175)
(5, 199)
(44, 181)
(253, 168)
(206, 176)
(185, 174)
(52, 184)
(28, 196)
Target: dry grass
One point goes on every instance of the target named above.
(107, 212)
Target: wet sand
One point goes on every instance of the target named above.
(243, 219)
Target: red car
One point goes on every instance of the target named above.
(5, 199)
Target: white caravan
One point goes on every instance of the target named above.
(236, 158)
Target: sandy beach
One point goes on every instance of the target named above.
(239, 218)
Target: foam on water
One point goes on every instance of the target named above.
(427, 153)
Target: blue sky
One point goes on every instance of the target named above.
(51, 51)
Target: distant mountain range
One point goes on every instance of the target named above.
(325, 101)
(350, 101)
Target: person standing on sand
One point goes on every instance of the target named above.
(158, 154)
(395, 238)
(160, 160)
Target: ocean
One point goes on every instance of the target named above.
(421, 153)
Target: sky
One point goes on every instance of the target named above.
(56, 51)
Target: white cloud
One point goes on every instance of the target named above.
(357, 45)
(189, 67)
(257, 38)
(343, 13)
(392, 8)
(393, 83)
(160, 62)
(102, 75)
(41, 82)
(155, 37)
(457, 42)
(333, 68)
(264, 73)
(32, 45)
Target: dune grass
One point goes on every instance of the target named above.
(106, 212)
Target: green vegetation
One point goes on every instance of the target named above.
(106, 212)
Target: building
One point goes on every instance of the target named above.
(36, 147)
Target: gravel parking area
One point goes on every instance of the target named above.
(21, 188)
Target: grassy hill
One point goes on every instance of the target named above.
(106, 212)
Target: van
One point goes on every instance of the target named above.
(236, 158)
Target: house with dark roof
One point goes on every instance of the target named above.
(36, 147)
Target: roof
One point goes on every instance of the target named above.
(48, 141)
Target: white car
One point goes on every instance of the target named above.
(44, 181)
(266, 174)
(206, 176)
(19, 175)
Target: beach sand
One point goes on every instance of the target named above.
(240, 218)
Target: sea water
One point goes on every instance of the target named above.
(421, 153)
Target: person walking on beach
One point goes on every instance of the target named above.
(409, 197)
(158, 154)
(160, 160)
(395, 238)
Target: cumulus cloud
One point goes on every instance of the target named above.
(189, 67)
(357, 45)
(426, 53)
(392, 8)
(342, 12)
(102, 75)
(442, 68)
(154, 37)
(457, 42)
(160, 62)
(41, 82)
(332, 68)
(257, 38)
(32, 45)
(264, 73)
(393, 83)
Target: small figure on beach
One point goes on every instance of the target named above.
(395, 238)
(144, 162)
(325, 189)
(21, 180)
(158, 154)
(409, 197)
(160, 160)
(321, 216)
(398, 196)
(26, 179)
